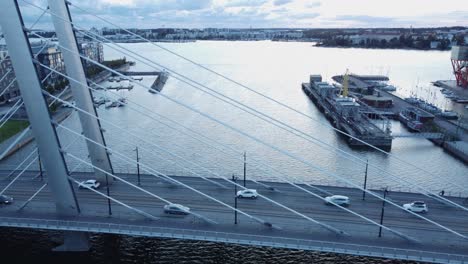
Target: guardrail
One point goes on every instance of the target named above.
(236, 238)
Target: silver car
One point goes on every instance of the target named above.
(337, 199)
(176, 209)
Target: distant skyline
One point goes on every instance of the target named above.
(261, 13)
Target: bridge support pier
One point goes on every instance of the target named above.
(82, 95)
(41, 122)
(74, 242)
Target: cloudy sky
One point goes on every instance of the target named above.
(264, 13)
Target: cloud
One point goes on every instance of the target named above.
(259, 13)
(366, 19)
(241, 3)
(281, 2)
(313, 4)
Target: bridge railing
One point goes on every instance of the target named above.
(236, 238)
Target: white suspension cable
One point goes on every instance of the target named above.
(261, 141)
(124, 157)
(432, 197)
(29, 127)
(251, 90)
(150, 216)
(137, 187)
(7, 73)
(9, 114)
(283, 125)
(180, 183)
(295, 185)
(365, 218)
(42, 187)
(173, 143)
(21, 164)
(30, 163)
(19, 174)
(38, 19)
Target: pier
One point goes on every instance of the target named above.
(140, 73)
(344, 114)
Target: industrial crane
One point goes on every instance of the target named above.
(345, 84)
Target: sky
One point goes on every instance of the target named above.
(260, 13)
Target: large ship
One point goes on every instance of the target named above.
(345, 114)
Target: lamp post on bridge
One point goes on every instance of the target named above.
(382, 212)
(40, 164)
(365, 181)
(138, 165)
(245, 166)
(234, 178)
(108, 195)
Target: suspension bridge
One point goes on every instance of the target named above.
(289, 212)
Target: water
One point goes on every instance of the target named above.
(125, 249)
(276, 69)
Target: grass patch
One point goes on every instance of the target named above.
(12, 127)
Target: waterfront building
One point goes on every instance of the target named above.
(92, 50)
(6, 66)
(51, 56)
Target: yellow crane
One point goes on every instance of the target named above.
(345, 83)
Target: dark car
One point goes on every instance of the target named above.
(5, 199)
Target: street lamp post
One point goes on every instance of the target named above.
(40, 164)
(365, 181)
(234, 178)
(108, 196)
(383, 210)
(245, 166)
(138, 165)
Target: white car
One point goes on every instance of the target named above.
(417, 207)
(176, 209)
(89, 183)
(337, 199)
(247, 193)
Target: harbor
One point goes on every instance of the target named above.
(372, 97)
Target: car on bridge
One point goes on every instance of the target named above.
(176, 209)
(89, 183)
(6, 199)
(416, 206)
(247, 193)
(337, 199)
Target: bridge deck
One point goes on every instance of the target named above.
(295, 232)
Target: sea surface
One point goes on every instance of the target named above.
(274, 69)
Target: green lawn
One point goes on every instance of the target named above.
(11, 128)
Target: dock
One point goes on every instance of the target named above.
(140, 73)
(344, 114)
(159, 83)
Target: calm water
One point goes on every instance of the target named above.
(276, 69)
(273, 68)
